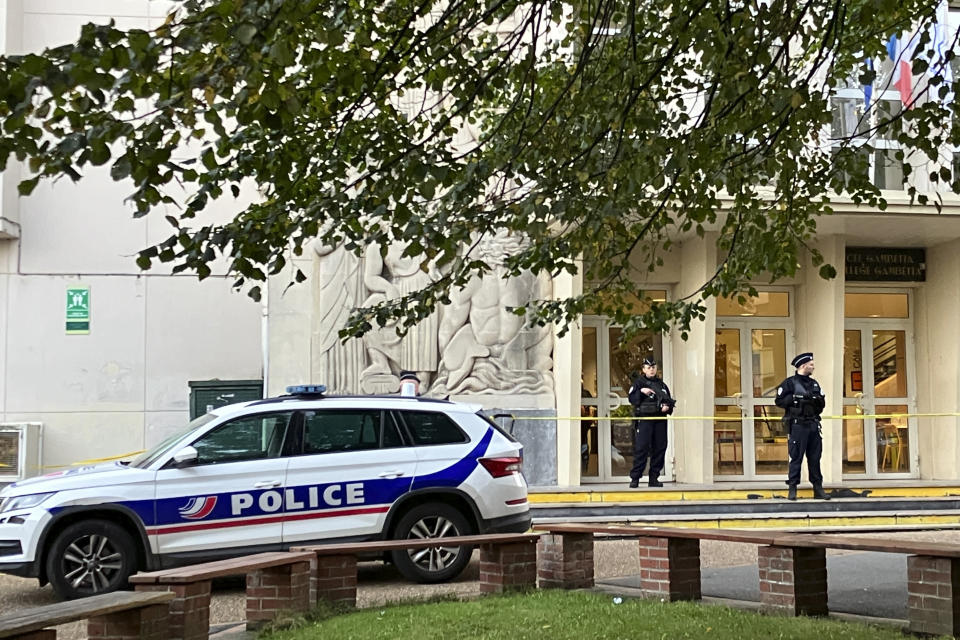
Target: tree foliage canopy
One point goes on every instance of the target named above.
(602, 129)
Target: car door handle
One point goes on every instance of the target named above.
(396, 473)
(267, 484)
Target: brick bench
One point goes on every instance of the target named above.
(508, 561)
(276, 581)
(792, 567)
(669, 558)
(933, 575)
(121, 615)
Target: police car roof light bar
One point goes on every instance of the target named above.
(306, 389)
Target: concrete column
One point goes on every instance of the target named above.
(567, 364)
(693, 367)
(937, 358)
(819, 324)
(287, 354)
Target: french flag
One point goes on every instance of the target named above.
(901, 54)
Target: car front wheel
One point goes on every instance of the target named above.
(90, 557)
(433, 564)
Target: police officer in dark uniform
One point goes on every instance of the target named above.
(649, 397)
(802, 399)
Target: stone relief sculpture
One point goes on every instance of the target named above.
(386, 278)
(473, 345)
(486, 348)
(339, 289)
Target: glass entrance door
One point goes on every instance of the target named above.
(750, 362)
(606, 446)
(877, 380)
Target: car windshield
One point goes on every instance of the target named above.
(150, 456)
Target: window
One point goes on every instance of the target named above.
(251, 438)
(766, 304)
(876, 305)
(348, 430)
(427, 427)
(635, 304)
(863, 130)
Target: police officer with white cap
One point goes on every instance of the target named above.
(803, 401)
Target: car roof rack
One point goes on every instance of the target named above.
(316, 392)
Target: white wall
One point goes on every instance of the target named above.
(125, 384)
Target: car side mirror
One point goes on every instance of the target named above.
(185, 456)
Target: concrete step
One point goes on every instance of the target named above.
(619, 493)
(757, 506)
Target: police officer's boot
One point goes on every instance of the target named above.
(819, 493)
(792, 492)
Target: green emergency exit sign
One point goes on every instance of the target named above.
(78, 310)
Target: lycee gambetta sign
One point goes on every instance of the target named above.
(875, 264)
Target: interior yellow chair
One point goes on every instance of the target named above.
(889, 437)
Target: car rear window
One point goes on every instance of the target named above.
(493, 423)
(430, 427)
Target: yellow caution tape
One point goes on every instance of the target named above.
(852, 416)
(81, 463)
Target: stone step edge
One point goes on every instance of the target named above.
(950, 517)
(782, 497)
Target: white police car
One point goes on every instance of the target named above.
(265, 475)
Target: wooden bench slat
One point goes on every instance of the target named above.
(220, 568)
(754, 537)
(51, 615)
(414, 543)
(856, 543)
(776, 538)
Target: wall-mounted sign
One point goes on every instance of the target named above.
(875, 264)
(78, 310)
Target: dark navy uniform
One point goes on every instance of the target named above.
(802, 399)
(649, 436)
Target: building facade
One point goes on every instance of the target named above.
(884, 331)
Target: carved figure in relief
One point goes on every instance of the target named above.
(389, 277)
(339, 290)
(484, 346)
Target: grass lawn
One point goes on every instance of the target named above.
(560, 615)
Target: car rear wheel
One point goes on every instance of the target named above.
(433, 564)
(90, 557)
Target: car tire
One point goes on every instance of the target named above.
(90, 557)
(433, 564)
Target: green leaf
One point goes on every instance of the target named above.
(26, 187)
(246, 33)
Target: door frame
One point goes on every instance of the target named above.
(746, 401)
(607, 400)
(866, 326)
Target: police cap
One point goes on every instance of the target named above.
(802, 359)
